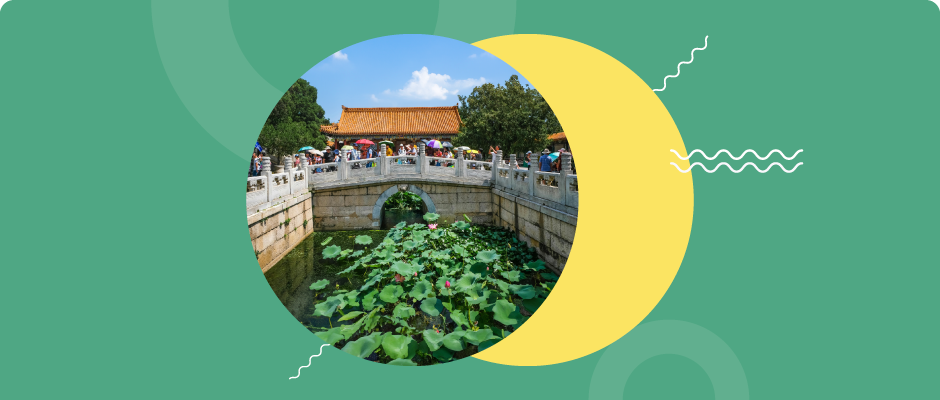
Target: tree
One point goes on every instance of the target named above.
(515, 117)
(294, 122)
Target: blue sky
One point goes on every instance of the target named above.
(403, 71)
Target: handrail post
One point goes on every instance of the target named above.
(289, 169)
(563, 177)
(533, 168)
(422, 159)
(461, 165)
(497, 161)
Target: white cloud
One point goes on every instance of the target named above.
(339, 55)
(473, 56)
(387, 91)
(374, 98)
(426, 85)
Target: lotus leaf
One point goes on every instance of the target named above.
(432, 306)
(532, 305)
(487, 344)
(473, 316)
(327, 241)
(403, 268)
(402, 363)
(327, 307)
(363, 239)
(459, 318)
(352, 298)
(460, 225)
(368, 302)
(350, 269)
(448, 306)
(399, 346)
(364, 346)
(488, 256)
(443, 355)
(479, 268)
(536, 265)
(403, 311)
(433, 339)
(479, 336)
(431, 217)
(349, 330)
(548, 286)
(391, 293)
(512, 276)
(372, 281)
(505, 312)
(421, 290)
(454, 340)
(524, 291)
(501, 284)
(351, 315)
(331, 336)
(549, 276)
(320, 284)
(409, 245)
(387, 242)
(400, 225)
(331, 252)
(356, 253)
(465, 282)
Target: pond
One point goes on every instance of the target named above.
(413, 295)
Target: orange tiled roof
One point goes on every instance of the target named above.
(395, 121)
(558, 136)
(325, 129)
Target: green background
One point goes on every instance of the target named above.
(128, 272)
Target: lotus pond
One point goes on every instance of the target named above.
(424, 294)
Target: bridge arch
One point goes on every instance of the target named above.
(377, 208)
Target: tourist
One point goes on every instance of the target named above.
(525, 160)
(545, 162)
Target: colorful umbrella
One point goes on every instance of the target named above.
(434, 144)
(305, 148)
(364, 141)
(387, 143)
(553, 156)
(317, 152)
(347, 147)
(462, 148)
(447, 144)
(472, 151)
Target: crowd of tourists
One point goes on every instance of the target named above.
(547, 162)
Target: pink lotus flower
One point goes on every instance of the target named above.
(399, 278)
(416, 274)
(447, 284)
(432, 226)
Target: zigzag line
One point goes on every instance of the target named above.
(308, 362)
(679, 67)
(738, 158)
(736, 171)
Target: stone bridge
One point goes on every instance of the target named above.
(541, 207)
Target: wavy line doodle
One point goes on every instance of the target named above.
(736, 171)
(679, 67)
(309, 362)
(737, 158)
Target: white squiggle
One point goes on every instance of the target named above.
(737, 158)
(736, 171)
(308, 362)
(679, 67)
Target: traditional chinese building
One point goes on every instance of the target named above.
(559, 141)
(401, 125)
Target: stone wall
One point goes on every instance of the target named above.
(276, 230)
(548, 230)
(359, 208)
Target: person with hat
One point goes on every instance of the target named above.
(545, 162)
(525, 160)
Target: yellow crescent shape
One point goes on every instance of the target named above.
(635, 212)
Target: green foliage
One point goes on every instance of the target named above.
(320, 284)
(363, 239)
(294, 122)
(515, 117)
(431, 217)
(404, 201)
(430, 296)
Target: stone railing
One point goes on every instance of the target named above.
(558, 187)
(269, 189)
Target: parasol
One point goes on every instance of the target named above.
(317, 152)
(553, 156)
(472, 151)
(347, 147)
(447, 144)
(462, 148)
(434, 144)
(387, 143)
(364, 141)
(305, 148)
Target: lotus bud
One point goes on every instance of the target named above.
(447, 284)
(416, 274)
